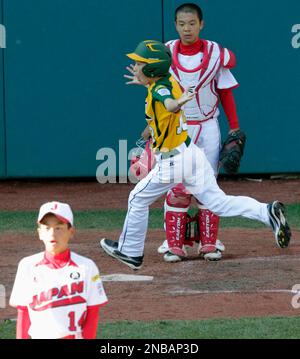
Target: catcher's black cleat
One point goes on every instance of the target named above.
(111, 248)
(279, 224)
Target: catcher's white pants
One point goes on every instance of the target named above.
(206, 135)
(191, 168)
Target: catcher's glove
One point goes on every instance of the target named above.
(232, 151)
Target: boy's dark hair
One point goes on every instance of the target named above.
(189, 7)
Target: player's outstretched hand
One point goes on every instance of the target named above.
(187, 96)
(133, 79)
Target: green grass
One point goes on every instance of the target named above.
(113, 219)
(245, 328)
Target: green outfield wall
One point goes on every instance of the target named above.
(2, 116)
(63, 96)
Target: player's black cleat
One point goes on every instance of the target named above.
(111, 248)
(281, 229)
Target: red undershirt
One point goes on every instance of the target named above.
(55, 261)
(225, 95)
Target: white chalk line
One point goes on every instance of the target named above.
(191, 291)
(118, 277)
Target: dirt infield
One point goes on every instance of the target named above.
(16, 195)
(254, 278)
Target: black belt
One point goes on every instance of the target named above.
(172, 153)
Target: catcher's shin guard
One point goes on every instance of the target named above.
(209, 225)
(176, 206)
(175, 223)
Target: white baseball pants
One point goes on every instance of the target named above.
(191, 168)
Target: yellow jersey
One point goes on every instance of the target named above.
(168, 129)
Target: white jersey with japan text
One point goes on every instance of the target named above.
(57, 299)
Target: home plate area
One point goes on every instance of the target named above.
(254, 278)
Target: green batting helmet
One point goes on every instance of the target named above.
(156, 55)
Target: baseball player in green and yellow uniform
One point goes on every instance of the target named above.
(178, 160)
(206, 66)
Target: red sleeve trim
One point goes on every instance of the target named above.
(231, 62)
(92, 307)
(103, 304)
(231, 88)
(22, 307)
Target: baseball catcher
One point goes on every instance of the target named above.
(232, 151)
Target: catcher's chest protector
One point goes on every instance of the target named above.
(205, 67)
